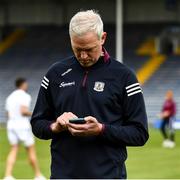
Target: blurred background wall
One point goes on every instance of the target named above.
(30, 12)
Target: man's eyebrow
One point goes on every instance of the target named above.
(88, 48)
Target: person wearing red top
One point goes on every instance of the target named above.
(167, 115)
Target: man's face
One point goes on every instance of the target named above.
(24, 86)
(87, 48)
(169, 95)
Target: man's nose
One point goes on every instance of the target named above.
(83, 55)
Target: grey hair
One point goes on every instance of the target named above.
(86, 21)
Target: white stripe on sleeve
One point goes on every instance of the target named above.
(44, 82)
(135, 92)
(43, 85)
(46, 79)
(133, 89)
(132, 85)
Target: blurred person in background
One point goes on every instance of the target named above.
(19, 128)
(167, 115)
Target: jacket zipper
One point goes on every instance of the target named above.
(85, 79)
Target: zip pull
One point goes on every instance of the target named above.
(85, 79)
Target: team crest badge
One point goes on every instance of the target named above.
(99, 86)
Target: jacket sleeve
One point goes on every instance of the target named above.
(134, 131)
(43, 114)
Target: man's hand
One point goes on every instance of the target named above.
(91, 128)
(62, 121)
(164, 114)
(25, 111)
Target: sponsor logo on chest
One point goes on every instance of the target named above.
(67, 84)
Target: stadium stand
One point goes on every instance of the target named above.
(167, 77)
(44, 45)
(30, 58)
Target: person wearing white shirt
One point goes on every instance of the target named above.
(19, 128)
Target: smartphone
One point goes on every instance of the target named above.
(77, 121)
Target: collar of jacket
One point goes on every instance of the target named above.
(106, 56)
(103, 60)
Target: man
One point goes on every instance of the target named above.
(93, 86)
(167, 115)
(19, 128)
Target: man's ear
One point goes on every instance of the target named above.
(103, 38)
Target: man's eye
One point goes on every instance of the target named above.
(88, 50)
(77, 50)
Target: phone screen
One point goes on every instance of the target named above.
(77, 121)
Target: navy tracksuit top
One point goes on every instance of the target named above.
(110, 92)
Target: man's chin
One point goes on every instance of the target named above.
(86, 64)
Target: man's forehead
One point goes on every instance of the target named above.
(88, 36)
(84, 43)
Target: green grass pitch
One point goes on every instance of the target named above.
(150, 161)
